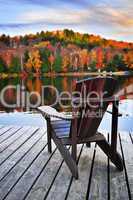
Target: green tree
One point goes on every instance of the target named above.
(119, 62)
(92, 66)
(2, 65)
(69, 34)
(45, 53)
(25, 40)
(110, 67)
(58, 62)
(15, 66)
(26, 56)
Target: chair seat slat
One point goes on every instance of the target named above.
(61, 128)
(60, 122)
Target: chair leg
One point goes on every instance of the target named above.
(49, 142)
(71, 163)
(49, 135)
(113, 155)
(74, 152)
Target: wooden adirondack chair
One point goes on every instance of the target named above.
(82, 125)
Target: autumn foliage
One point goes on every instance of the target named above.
(64, 51)
(34, 61)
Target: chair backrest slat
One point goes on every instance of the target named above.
(91, 105)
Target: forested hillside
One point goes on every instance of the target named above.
(63, 51)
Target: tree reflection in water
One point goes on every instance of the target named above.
(60, 83)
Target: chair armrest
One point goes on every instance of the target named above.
(48, 112)
(119, 114)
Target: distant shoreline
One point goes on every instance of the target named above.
(62, 74)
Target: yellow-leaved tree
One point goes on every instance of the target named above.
(34, 61)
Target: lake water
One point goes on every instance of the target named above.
(29, 89)
(25, 94)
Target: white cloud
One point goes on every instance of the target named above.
(54, 16)
(114, 17)
(110, 19)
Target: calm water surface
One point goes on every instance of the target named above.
(35, 86)
(16, 115)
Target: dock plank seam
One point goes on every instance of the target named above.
(14, 186)
(24, 172)
(71, 180)
(19, 147)
(91, 173)
(6, 131)
(14, 140)
(21, 158)
(11, 135)
(39, 174)
(131, 136)
(53, 180)
(108, 172)
(125, 169)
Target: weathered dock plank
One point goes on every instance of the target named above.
(9, 182)
(44, 181)
(29, 175)
(4, 130)
(99, 183)
(62, 180)
(78, 188)
(29, 172)
(118, 185)
(10, 132)
(10, 163)
(12, 139)
(19, 143)
(127, 151)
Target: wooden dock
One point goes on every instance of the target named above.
(29, 172)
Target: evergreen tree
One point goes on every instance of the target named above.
(119, 62)
(45, 53)
(2, 65)
(110, 67)
(58, 62)
(15, 66)
(93, 66)
(26, 56)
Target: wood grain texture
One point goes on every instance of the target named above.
(22, 152)
(79, 188)
(10, 132)
(99, 184)
(29, 172)
(62, 181)
(18, 144)
(127, 148)
(23, 167)
(118, 185)
(4, 129)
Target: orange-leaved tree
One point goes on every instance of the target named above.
(100, 57)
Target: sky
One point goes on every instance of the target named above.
(109, 18)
